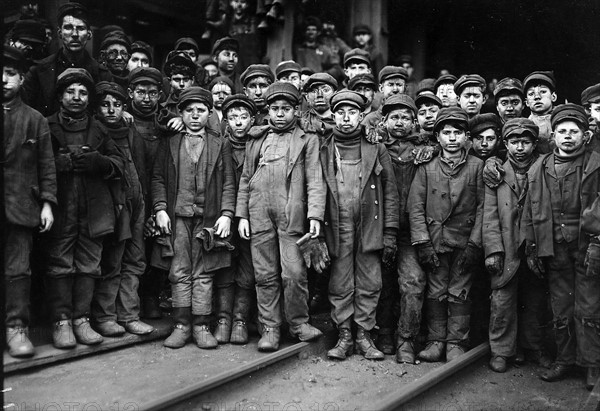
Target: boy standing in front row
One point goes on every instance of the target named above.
(281, 193)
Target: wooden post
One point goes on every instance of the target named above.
(280, 40)
(374, 14)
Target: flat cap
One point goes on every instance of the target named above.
(225, 43)
(307, 70)
(221, 80)
(398, 101)
(74, 9)
(288, 66)
(142, 47)
(468, 80)
(357, 55)
(392, 72)
(181, 44)
(286, 91)
(239, 100)
(115, 38)
(509, 85)
(318, 79)
(74, 75)
(591, 94)
(112, 88)
(178, 58)
(428, 97)
(348, 97)
(13, 57)
(518, 126)
(569, 111)
(257, 70)
(361, 29)
(426, 85)
(545, 77)
(195, 93)
(447, 114)
(30, 30)
(482, 122)
(444, 79)
(145, 75)
(364, 79)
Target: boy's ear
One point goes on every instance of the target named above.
(89, 36)
(381, 88)
(130, 92)
(553, 97)
(587, 136)
(361, 116)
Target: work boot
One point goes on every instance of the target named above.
(556, 373)
(84, 333)
(18, 342)
(224, 309)
(269, 341)
(498, 363)
(385, 341)
(405, 353)
(592, 375)
(203, 337)
(459, 324)
(109, 329)
(453, 351)
(344, 346)
(241, 311)
(62, 334)
(239, 333)
(138, 327)
(182, 330)
(539, 357)
(305, 332)
(223, 331)
(17, 292)
(433, 351)
(150, 308)
(365, 346)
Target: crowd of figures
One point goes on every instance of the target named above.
(397, 204)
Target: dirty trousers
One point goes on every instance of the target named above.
(412, 282)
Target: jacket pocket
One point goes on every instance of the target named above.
(592, 260)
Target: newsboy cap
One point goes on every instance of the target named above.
(447, 114)
(142, 47)
(13, 57)
(112, 88)
(591, 94)
(74, 75)
(569, 111)
(392, 72)
(365, 79)
(398, 101)
(30, 30)
(518, 126)
(348, 97)
(508, 85)
(286, 91)
(428, 97)
(444, 79)
(545, 77)
(225, 43)
(74, 9)
(288, 66)
(145, 75)
(183, 41)
(195, 93)
(358, 55)
(468, 80)
(221, 79)
(482, 122)
(115, 38)
(177, 58)
(318, 79)
(257, 70)
(361, 29)
(238, 100)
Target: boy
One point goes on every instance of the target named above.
(561, 227)
(220, 88)
(362, 37)
(445, 210)
(256, 79)
(356, 61)
(392, 80)
(28, 163)
(318, 117)
(364, 84)
(115, 51)
(485, 136)
(444, 90)
(517, 294)
(141, 55)
(193, 188)
(289, 71)
(280, 189)
(225, 55)
(428, 107)
(179, 70)
(509, 98)
(540, 96)
(470, 89)
(590, 100)
(355, 236)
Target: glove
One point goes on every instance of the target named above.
(468, 257)
(427, 256)
(390, 248)
(91, 162)
(493, 173)
(211, 241)
(319, 255)
(150, 229)
(376, 134)
(63, 160)
(592, 259)
(495, 263)
(423, 154)
(534, 263)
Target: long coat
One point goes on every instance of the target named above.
(305, 186)
(219, 194)
(378, 196)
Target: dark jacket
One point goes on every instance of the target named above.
(378, 198)
(29, 171)
(219, 189)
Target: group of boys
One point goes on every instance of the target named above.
(136, 174)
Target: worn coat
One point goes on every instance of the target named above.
(306, 187)
(378, 196)
(219, 189)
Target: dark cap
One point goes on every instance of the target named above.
(398, 101)
(74, 75)
(190, 42)
(518, 126)
(225, 43)
(237, 100)
(447, 114)
(142, 47)
(313, 21)
(426, 85)
(112, 88)
(482, 122)
(223, 80)
(14, 57)
(468, 80)
(72, 9)
(115, 38)
(545, 77)
(361, 29)
(591, 94)
(444, 79)
(288, 66)
(32, 31)
(405, 58)
(392, 72)
(569, 111)
(257, 70)
(365, 79)
(348, 97)
(357, 55)
(208, 61)
(178, 58)
(509, 85)
(318, 79)
(307, 71)
(145, 75)
(195, 93)
(286, 91)
(428, 97)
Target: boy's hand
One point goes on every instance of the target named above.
(163, 222)
(128, 118)
(175, 124)
(223, 226)
(495, 263)
(493, 173)
(244, 228)
(150, 229)
(46, 218)
(427, 256)
(315, 228)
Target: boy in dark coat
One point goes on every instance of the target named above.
(29, 194)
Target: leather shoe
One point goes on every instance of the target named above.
(84, 333)
(138, 327)
(305, 332)
(179, 336)
(203, 337)
(269, 341)
(405, 352)
(18, 342)
(453, 351)
(223, 331)
(239, 333)
(592, 375)
(344, 346)
(109, 329)
(433, 351)
(498, 363)
(62, 334)
(556, 373)
(365, 346)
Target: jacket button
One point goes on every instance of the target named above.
(376, 202)
(375, 217)
(326, 222)
(373, 186)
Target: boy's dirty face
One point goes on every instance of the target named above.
(110, 109)
(400, 122)
(593, 111)
(145, 97)
(311, 33)
(211, 70)
(293, 78)
(227, 60)
(180, 82)
(509, 106)
(136, 60)
(256, 89)
(347, 118)
(75, 98)
(367, 91)
(220, 92)
(239, 120)
(195, 116)
(12, 80)
(318, 97)
(539, 98)
(471, 100)
(239, 7)
(445, 92)
(520, 146)
(353, 69)
(426, 115)
(569, 137)
(281, 113)
(485, 143)
(362, 39)
(391, 86)
(74, 33)
(452, 139)
(116, 57)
